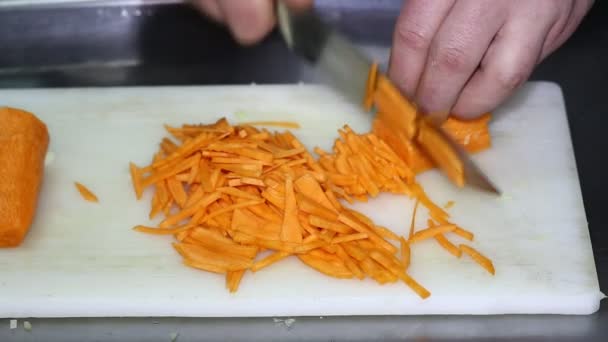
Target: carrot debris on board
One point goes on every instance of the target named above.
(229, 193)
(87, 194)
(482, 260)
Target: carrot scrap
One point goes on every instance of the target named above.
(430, 232)
(269, 260)
(479, 258)
(370, 86)
(413, 221)
(87, 194)
(405, 253)
(228, 193)
(448, 246)
(283, 124)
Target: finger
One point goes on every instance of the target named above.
(414, 31)
(578, 11)
(507, 64)
(456, 52)
(211, 8)
(249, 21)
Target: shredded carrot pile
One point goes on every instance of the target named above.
(239, 198)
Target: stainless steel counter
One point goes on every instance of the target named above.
(168, 43)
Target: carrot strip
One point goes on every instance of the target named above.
(283, 124)
(465, 234)
(136, 180)
(269, 260)
(385, 233)
(351, 222)
(237, 193)
(431, 232)
(325, 267)
(169, 171)
(233, 279)
(349, 262)
(370, 87)
(349, 237)
(231, 208)
(354, 251)
(291, 230)
(289, 153)
(320, 222)
(87, 194)
(162, 231)
(413, 221)
(177, 191)
(479, 258)
(309, 187)
(448, 246)
(396, 270)
(405, 253)
(197, 207)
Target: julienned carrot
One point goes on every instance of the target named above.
(430, 232)
(228, 193)
(447, 245)
(482, 260)
(269, 260)
(283, 124)
(86, 193)
(413, 221)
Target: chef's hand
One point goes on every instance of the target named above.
(248, 20)
(459, 56)
(468, 56)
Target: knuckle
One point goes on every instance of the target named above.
(510, 80)
(412, 38)
(452, 59)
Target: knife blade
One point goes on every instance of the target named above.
(346, 69)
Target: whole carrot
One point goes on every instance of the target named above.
(24, 141)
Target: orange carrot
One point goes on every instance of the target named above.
(284, 124)
(86, 193)
(479, 258)
(229, 192)
(413, 221)
(431, 232)
(448, 246)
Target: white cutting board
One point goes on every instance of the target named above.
(83, 259)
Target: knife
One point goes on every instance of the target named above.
(345, 68)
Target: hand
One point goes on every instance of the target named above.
(248, 20)
(468, 56)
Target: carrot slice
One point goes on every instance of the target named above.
(291, 230)
(284, 124)
(431, 232)
(413, 221)
(479, 258)
(405, 253)
(349, 237)
(136, 180)
(269, 260)
(448, 246)
(370, 87)
(326, 267)
(162, 231)
(87, 194)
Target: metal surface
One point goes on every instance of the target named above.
(171, 44)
